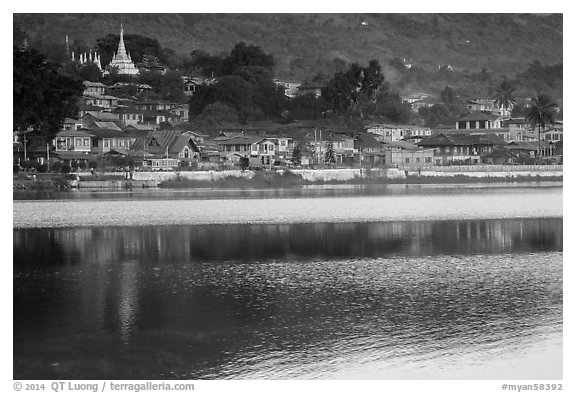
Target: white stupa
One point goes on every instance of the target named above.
(121, 59)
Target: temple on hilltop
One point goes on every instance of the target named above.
(121, 59)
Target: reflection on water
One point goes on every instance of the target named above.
(249, 243)
(337, 190)
(287, 301)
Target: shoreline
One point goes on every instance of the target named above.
(260, 180)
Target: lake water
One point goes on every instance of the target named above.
(423, 282)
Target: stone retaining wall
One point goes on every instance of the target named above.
(346, 174)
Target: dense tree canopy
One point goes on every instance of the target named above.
(246, 84)
(345, 89)
(242, 56)
(43, 96)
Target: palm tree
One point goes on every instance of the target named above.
(541, 112)
(504, 97)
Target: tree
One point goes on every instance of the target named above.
(168, 86)
(433, 115)
(214, 114)
(43, 97)
(344, 91)
(243, 55)
(306, 107)
(504, 97)
(541, 112)
(90, 72)
(389, 104)
(247, 84)
(297, 155)
(205, 63)
(448, 96)
(329, 157)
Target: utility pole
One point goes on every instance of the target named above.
(24, 140)
(48, 156)
(321, 156)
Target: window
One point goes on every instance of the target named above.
(106, 143)
(428, 159)
(417, 159)
(407, 160)
(86, 142)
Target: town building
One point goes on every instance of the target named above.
(170, 144)
(478, 120)
(314, 88)
(458, 149)
(290, 87)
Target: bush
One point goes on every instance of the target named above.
(16, 169)
(28, 165)
(66, 168)
(42, 168)
(93, 164)
(56, 167)
(83, 165)
(74, 166)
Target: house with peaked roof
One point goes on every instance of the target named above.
(110, 125)
(261, 151)
(150, 63)
(166, 144)
(90, 118)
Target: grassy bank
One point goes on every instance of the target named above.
(288, 179)
(260, 180)
(52, 181)
(457, 179)
(41, 181)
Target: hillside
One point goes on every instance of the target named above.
(502, 43)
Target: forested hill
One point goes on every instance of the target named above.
(305, 44)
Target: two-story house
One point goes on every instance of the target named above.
(477, 121)
(459, 148)
(129, 115)
(107, 140)
(389, 132)
(96, 88)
